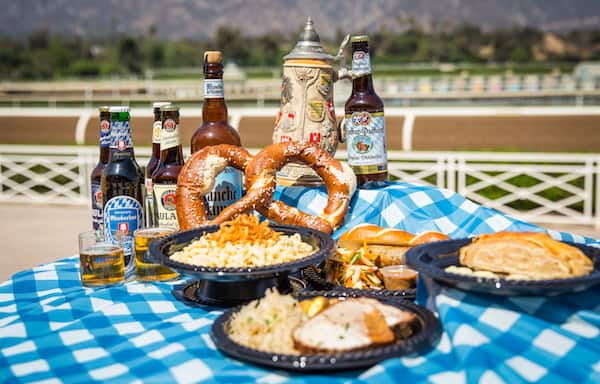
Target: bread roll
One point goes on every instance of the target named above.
(532, 255)
(390, 244)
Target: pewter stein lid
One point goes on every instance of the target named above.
(309, 45)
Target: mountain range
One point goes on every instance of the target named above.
(199, 19)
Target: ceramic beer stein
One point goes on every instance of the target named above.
(307, 112)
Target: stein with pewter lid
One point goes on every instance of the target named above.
(307, 112)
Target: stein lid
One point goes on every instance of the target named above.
(309, 45)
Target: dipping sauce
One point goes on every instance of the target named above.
(399, 277)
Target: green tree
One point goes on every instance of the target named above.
(130, 56)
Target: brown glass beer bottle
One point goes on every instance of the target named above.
(364, 121)
(215, 129)
(97, 221)
(164, 178)
(149, 212)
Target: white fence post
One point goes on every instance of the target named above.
(407, 131)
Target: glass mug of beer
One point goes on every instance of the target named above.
(145, 268)
(101, 263)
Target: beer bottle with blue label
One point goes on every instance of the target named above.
(122, 182)
(96, 176)
(215, 129)
(364, 121)
(164, 178)
(149, 207)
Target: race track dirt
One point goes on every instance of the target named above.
(529, 133)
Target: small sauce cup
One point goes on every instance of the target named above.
(399, 277)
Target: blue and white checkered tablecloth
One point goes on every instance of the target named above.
(53, 330)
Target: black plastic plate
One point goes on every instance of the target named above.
(432, 259)
(427, 332)
(314, 276)
(163, 248)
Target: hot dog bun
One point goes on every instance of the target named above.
(390, 244)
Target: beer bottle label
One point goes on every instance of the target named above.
(165, 203)
(120, 135)
(97, 221)
(169, 135)
(156, 132)
(213, 89)
(366, 142)
(104, 134)
(228, 189)
(361, 64)
(122, 216)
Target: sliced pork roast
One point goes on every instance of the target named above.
(350, 325)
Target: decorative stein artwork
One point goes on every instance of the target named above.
(307, 112)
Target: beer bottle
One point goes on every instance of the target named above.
(122, 181)
(164, 178)
(215, 129)
(365, 125)
(149, 213)
(97, 222)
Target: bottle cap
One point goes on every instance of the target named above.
(359, 39)
(169, 107)
(159, 104)
(104, 108)
(118, 108)
(215, 57)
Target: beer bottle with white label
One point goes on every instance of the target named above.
(96, 176)
(149, 211)
(364, 121)
(164, 178)
(215, 129)
(122, 182)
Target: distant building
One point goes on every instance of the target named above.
(587, 70)
(233, 72)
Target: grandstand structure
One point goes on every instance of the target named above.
(507, 89)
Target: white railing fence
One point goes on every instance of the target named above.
(540, 187)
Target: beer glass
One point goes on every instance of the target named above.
(101, 263)
(145, 268)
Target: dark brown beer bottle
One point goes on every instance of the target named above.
(365, 125)
(164, 178)
(149, 213)
(97, 221)
(122, 184)
(215, 129)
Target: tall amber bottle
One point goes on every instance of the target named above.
(149, 211)
(365, 125)
(164, 178)
(215, 129)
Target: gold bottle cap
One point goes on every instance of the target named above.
(213, 57)
(104, 108)
(169, 107)
(160, 104)
(359, 39)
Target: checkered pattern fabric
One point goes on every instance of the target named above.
(53, 330)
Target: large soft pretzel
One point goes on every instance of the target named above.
(197, 178)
